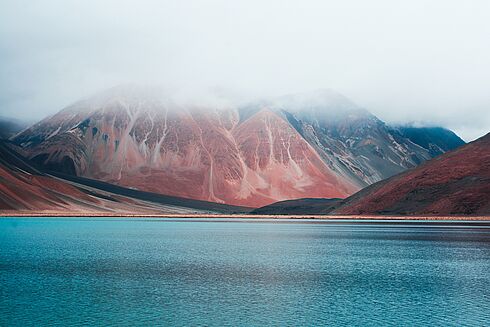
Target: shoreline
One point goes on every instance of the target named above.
(58, 214)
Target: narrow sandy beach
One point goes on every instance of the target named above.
(59, 214)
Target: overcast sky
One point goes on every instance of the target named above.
(412, 60)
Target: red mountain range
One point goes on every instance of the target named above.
(316, 145)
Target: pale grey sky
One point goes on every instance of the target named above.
(413, 60)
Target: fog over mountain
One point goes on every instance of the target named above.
(405, 61)
(317, 144)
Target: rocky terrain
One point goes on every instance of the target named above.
(455, 183)
(316, 145)
(435, 139)
(25, 188)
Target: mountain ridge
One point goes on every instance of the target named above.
(249, 155)
(454, 183)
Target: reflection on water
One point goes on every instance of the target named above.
(182, 272)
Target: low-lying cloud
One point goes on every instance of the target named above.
(405, 61)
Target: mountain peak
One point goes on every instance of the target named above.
(314, 144)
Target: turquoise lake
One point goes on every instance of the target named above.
(189, 272)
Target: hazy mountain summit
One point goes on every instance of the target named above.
(317, 144)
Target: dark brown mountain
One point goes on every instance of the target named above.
(435, 139)
(455, 183)
(312, 206)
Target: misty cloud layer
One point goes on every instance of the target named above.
(405, 61)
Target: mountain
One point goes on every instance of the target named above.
(317, 145)
(9, 127)
(455, 183)
(349, 139)
(135, 139)
(436, 139)
(308, 206)
(26, 188)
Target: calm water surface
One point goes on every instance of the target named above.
(218, 272)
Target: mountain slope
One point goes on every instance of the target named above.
(151, 144)
(9, 127)
(315, 145)
(435, 139)
(24, 187)
(350, 140)
(311, 206)
(455, 183)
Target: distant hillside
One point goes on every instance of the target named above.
(9, 127)
(435, 139)
(455, 183)
(299, 207)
